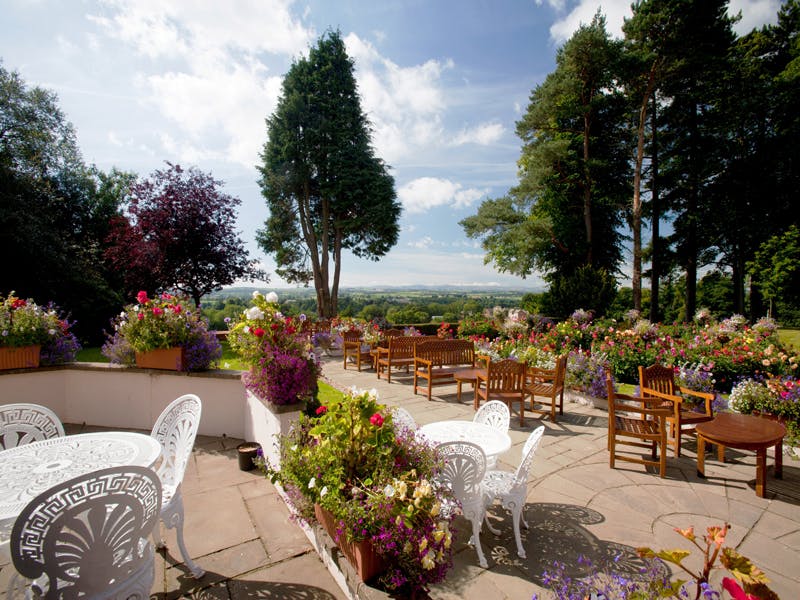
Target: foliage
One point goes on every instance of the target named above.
(54, 210)
(565, 212)
(587, 287)
(652, 582)
(376, 481)
(479, 327)
(180, 234)
(25, 323)
(279, 351)
(165, 321)
(325, 189)
(776, 266)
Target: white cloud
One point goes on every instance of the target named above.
(754, 14)
(405, 104)
(423, 243)
(483, 134)
(216, 87)
(420, 195)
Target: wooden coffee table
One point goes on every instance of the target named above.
(743, 432)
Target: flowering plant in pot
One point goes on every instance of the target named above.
(166, 321)
(283, 365)
(778, 397)
(24, 323)
(376, 482)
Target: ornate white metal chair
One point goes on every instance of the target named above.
(403, 419)
(494, 414)
(512, 488)
(88, 537)
(176, 429)
(464, 468)
(25, 423)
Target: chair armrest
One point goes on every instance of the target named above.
(707, 397)
(484, 359)
(651, 394)
(539, 375)
(423, 362)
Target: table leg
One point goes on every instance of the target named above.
(458, 390)
(721, 453)
(701, 457)
(779, 460)
(761, 472)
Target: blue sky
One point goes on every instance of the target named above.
(191, 82)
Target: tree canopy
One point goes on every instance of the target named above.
(179, 234)
(325, 189)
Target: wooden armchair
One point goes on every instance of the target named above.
(546, 387)
(658, 381)
(353, 347)
(504, 380)
(638, 423)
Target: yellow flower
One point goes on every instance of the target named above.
(408, 548)
(402, 489)
(438, 535)
(427, 560)
(435, 509)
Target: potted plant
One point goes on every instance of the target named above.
(372, 485)
(283, 365)
(586, 378)
(31, 335)
(162, 333)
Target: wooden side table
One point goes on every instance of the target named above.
(743, 432)
(467, 375)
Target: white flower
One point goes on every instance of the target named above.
(323, 491)
(253, 313)
(388, 491)
(247, 328)
(312, 483)
(373, 393)
(272, 297)
(256, 295)
(51, 331)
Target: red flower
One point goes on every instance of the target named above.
(18, 303)
(258, 332)
(140, 316)
(166, 296)
(322, 410)
(177, 309)
(157, 310)
(141, 297)
(376, 419)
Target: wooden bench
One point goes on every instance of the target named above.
(399, 352)
(439, 359)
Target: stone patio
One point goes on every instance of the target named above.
(239, 530)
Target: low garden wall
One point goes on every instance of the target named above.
(114, 396)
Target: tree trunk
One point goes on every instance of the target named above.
(587, 190)
(655, 207)
(337, 269)
(310, 237)
(691, 222)
(636, 212)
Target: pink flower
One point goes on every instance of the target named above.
(258, 332)
(376, 420)
(140, 316)
(141, 297)
(736, 592)
(322, 410)
(157, 311)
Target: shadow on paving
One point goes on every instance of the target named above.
(557, 534)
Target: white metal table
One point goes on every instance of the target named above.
(493, 441)
(26, 471)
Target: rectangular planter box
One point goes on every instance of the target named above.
(367, 563)
(23, 357)
(169, 359)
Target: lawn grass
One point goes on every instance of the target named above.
(790, 337)
(229, 358)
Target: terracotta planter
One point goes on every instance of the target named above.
(170, 359)
(365, 560)
(23, 357)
